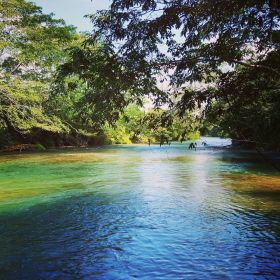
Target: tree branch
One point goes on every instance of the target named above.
(199, 59)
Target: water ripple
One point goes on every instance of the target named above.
(138, 214)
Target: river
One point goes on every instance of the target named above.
(139, 212)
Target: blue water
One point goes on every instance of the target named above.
(139, 212)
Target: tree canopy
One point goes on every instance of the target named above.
(193, 37)
(213, 54)
(32, 46)
(217, 61)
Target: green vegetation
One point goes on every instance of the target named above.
(32, 45)
(155, 126)
(56, 90)
(218, 61)
(221, 57)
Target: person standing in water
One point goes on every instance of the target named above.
(192, 146)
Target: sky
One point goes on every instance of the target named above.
(73, 11)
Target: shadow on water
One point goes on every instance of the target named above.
(252, 160)
(78, 236)
(121, 237)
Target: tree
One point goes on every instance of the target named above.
(32, 46)
(247, 103)
(211, 42)
(111, 84)
(199, 36)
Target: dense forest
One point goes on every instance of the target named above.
(150, 71)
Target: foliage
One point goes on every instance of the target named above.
(230, 47)
(110, 84)
(58, 90)
(39, 147)
(21, 109)
(32, 46)
(154, 126)
(247, 104)
(216, 60)
(198, 35)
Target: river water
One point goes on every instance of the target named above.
(139, 212)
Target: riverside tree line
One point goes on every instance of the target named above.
(219, 62)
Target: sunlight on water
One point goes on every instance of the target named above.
(142, 212)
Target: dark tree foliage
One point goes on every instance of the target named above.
(230, 47)
(110, 83)
(246, 103)
(195, 37)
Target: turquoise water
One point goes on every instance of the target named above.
(139, 212)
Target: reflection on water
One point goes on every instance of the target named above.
(140, 212)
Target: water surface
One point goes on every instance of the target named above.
(139, 212)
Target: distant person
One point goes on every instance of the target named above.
(204, 143)
(192, 146)
(161, 141)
